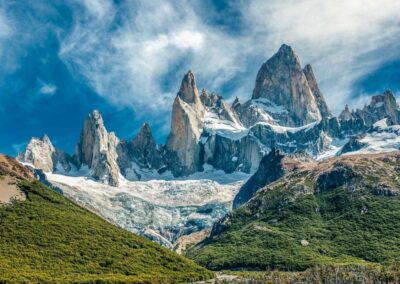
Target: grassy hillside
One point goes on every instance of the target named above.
(342, 211)
(49, 239)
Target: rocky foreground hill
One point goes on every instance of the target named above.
(287, 111)
(344, 210)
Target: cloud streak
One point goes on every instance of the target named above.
(136, 55)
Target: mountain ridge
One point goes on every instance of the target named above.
(287, 111)
(343, 210)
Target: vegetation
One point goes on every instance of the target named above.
(49, 239)
(320, 274)
(340, 212)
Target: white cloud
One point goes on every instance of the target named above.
(48, 89)
(45, 88)
(128, 63)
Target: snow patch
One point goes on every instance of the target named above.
(226, 128)
(269, 106)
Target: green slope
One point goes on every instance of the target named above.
(47, 238)
(346, 211)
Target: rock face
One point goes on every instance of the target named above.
(312, 83)
(96, 149)
(186, 127)
(216, 105)
(346, 114)
(140, 153)
(272, 167)
(381, 106)
(282, 81)
(41, 153)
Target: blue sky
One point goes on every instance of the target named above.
(61, 59)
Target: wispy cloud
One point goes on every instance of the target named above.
(127, 62)
(138, 58)
(47, 89)
(134, 53)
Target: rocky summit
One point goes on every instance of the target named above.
(282, 81)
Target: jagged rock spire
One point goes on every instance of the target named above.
(39, 153)
(236, 103)
(381, 106)
(188, 91)
(97, 149)
(144, 134)
(345, 114)
(186, 127)
(144, 149)
(281, 80)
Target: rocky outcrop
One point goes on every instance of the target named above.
(340, 175)
(10, 167)
(346, 114)
(381, 106)
(41, 154)
(96, 149)
(184, 149)
(354, 144)
(281, 80)
(233, 154)
(272, 167)
(216, 105)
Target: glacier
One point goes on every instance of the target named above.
(162, 210)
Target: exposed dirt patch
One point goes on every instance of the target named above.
(9, 191)
(10, 167)
(185, 242)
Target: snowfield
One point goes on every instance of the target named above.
(162, 210)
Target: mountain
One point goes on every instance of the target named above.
(287, 111)
(140, 155)
(96, 150)
(343, 210)
(47, 238)
(213, 143)
(41, 153)
(186, 127)
(281, 80)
